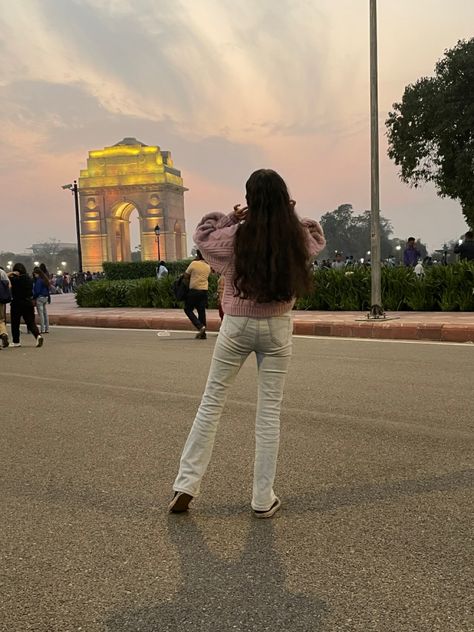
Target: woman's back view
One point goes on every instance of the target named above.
(264, 251)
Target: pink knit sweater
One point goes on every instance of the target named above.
(215, 236)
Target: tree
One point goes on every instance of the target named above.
(431, 132)
(46, 250)
(349, 234)
(53, 254)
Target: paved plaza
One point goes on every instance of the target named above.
(374, 476)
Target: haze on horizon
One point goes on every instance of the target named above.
(227, 87)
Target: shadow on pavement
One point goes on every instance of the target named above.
(225, 595)
(319, 501)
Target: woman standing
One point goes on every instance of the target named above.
(22, 305)
(41, 296)
(264, 252)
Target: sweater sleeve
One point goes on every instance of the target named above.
(314, 236)
(214, 236)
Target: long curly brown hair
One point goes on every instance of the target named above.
(271, 255)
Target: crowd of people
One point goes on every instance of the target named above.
(26, 292)
(411, 257)
(65, 283)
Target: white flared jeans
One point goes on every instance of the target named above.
(270, 340)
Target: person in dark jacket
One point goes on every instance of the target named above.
(22, 305)
(465, 249)
(41, 297)
(411, 253)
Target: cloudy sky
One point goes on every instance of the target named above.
(227, 86)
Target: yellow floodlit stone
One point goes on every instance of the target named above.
(118, 179)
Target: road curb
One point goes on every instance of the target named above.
(388, 330)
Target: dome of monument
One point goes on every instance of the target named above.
(130, 141)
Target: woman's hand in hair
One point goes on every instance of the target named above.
(240, 213)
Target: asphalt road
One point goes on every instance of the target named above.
(374, 477)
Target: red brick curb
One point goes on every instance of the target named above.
(391, 329)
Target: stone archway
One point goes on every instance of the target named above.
(120, 228)
(118, 179)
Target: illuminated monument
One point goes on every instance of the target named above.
(119, 179)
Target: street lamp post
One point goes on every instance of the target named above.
(376, 310)
(75, 191)
(157, 237)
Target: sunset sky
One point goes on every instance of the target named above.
(227, 86)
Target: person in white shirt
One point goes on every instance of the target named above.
(419, 270)
(338, 263)
(161, 270)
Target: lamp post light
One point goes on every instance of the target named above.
(398, 248)
(64, 264)
(36, 263)
(157, 237)
(74, 190)
(9, 265)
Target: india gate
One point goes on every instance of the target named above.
(126, 176)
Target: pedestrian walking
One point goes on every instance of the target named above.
(264, 252)
(22, 305)
(41, 298)
(66, 282)
(5, 298)
(197, 273)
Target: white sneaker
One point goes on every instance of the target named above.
(269, 512)
(39, 341)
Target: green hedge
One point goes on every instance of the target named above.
(141, 269)
(446, 288)
(135, 293)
